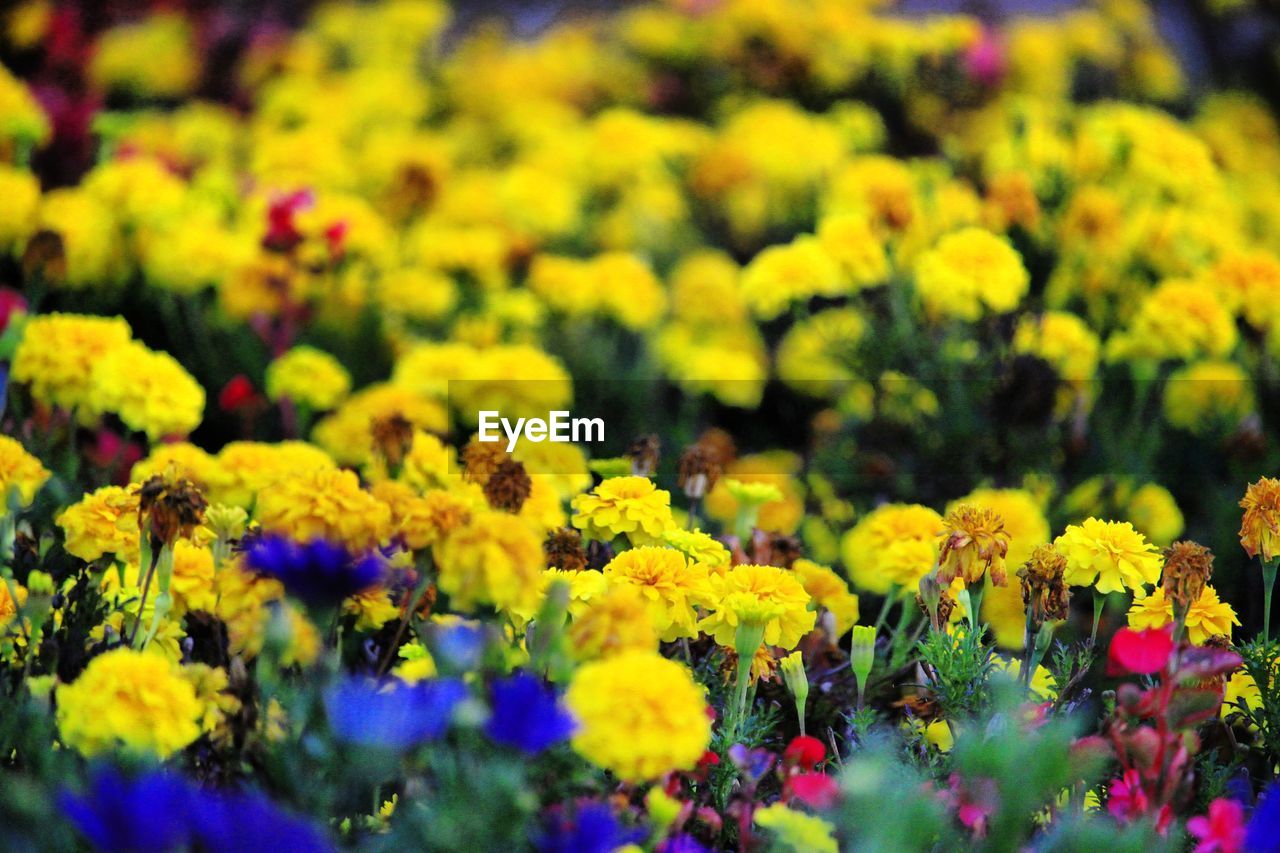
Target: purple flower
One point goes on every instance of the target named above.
(160, 811)
(392, 715)
(319, 573)
(527, 715)
(593, 829)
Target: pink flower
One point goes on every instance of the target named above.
(985, 59)
(1127, 800)
(282, 228)
(817, 790)
(1223, 831)
(1139, 652)
(974, 800)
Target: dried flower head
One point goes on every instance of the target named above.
(1187, 568)
(480, 459)
(1260, 526)
(1044, 590)
(563, 550)
(644, 452)
(974, 542)
(698, 471)
(508, 487)
(392, 438)
(169, 508)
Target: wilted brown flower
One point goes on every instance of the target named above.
(392, 438)
(698, 471)
(644, 451)
(169, 508)
(480, 459)
(508, 486)
(938, 608)
(1044, 592)
(718, 445)
(1187, 568)
(563, 550)
(974, 542)
(1260, 526)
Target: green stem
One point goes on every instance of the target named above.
(884, 608)
(1268, 585)
(1099, 602)
(975, 602)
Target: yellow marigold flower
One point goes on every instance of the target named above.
(974, 544)
(624, 505)
(968, 271)
(640, 715)
(92, 248)
(253, 467)
(1207, 396)
(422, 520)
(1241, 692)
(1063, 340)
(217, 701)
(796, 831)
(130, 699)
(778, 468)
(796, 272)
(699, 547)
(815, 355)
(309, 377)
(1041, 680)
(347, 433)
(1207, 617)
(372, 608)
(416, 663)
(21, 191)
(192, 584)
(103, 522)
(1021, 514)
(850, 240)
(1178, 320)
(21, 475)
(1155, 513)
(156, 56)
(1108, 555)
(704, 289)
(188, 462)
(325, 504)
(241, 600)
(764, 594)
(827, 589)
(496, 559)
(875, 555)
(1249, 284)
(1260, 524)
(671, 584)
(617, 620)
(150, 391)
(430, 463)
(58, 352)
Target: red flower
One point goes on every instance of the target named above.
(11, 302)
(817, 790)
(237, 395)
(1223, 831)
(1139, 652)
(282, 229)
(804, 752)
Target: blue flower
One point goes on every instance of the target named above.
(392, 715)
(131, 815)
(458, 647)
(160, 812)
(527, 715)
(594, 829)
(1263, 833)
(682, 843)
(319, 573)
(249, 823)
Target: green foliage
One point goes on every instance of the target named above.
(958, 666)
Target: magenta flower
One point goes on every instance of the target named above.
(1222, 831)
